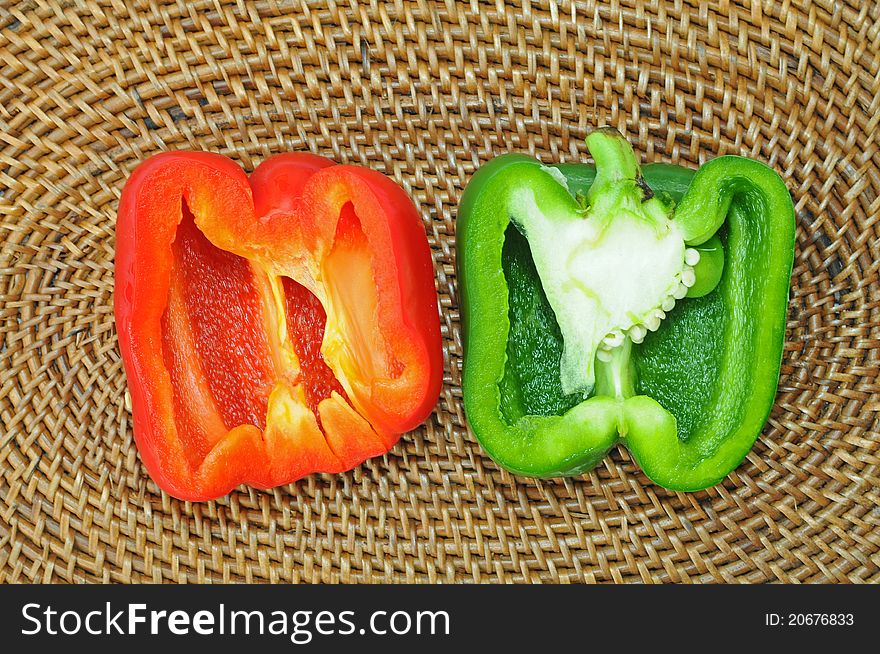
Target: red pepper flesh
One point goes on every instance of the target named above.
(271, 327)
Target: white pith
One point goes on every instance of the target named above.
(607, 279)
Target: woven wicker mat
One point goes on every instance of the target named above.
(425, 92)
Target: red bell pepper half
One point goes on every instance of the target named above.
(271, 327)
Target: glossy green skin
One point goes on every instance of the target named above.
(713, 364)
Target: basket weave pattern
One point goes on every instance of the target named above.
(425, 92)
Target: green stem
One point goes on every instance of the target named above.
(615, 162)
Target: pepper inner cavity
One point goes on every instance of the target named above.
(213, 343)
(231, 334)
(306, 321)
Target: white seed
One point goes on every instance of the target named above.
(653, 322)
(668, 304)
(660, 314)
(637, 333)
(603, 355)
(680, 292)
(688, 278)
(691, 257)
(613, 339)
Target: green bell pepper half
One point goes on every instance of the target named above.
(623, 304)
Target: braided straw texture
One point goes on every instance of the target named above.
(426, 92)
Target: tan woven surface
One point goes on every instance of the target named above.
(425, 92)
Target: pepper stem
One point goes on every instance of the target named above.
(615, 162)
(615, 377)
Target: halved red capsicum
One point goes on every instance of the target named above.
(271, 327)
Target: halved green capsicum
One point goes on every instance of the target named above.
(615, 303)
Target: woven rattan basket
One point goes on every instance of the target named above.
(425, 92)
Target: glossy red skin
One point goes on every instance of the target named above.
(283, 219)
